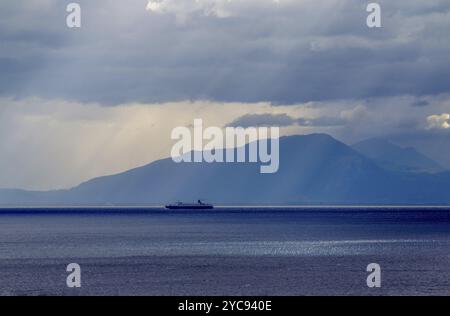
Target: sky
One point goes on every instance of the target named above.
(101, 99)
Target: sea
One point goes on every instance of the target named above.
(229, 251)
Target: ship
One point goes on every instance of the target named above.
(190, 206)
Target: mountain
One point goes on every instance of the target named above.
(392, 157)
(313, 169)
(436, 145)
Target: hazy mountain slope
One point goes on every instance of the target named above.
(436, 145)
(392, 157)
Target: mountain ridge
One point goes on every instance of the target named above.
(396, 158)
(314, 169)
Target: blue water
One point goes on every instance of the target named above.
(388, 235)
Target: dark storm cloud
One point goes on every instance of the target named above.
(282, 120)
(421, 103)
(251, 120)
(294, 51)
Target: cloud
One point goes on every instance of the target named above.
(438, 121)
(283, 120)
(323, 121)
(215, 8)
(421, 103)
(185, 8)
(227, 51)
(357, 114)
(264, 120)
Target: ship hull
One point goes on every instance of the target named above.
(189, 207)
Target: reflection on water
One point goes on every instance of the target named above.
(232, 252)
(245, 233)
